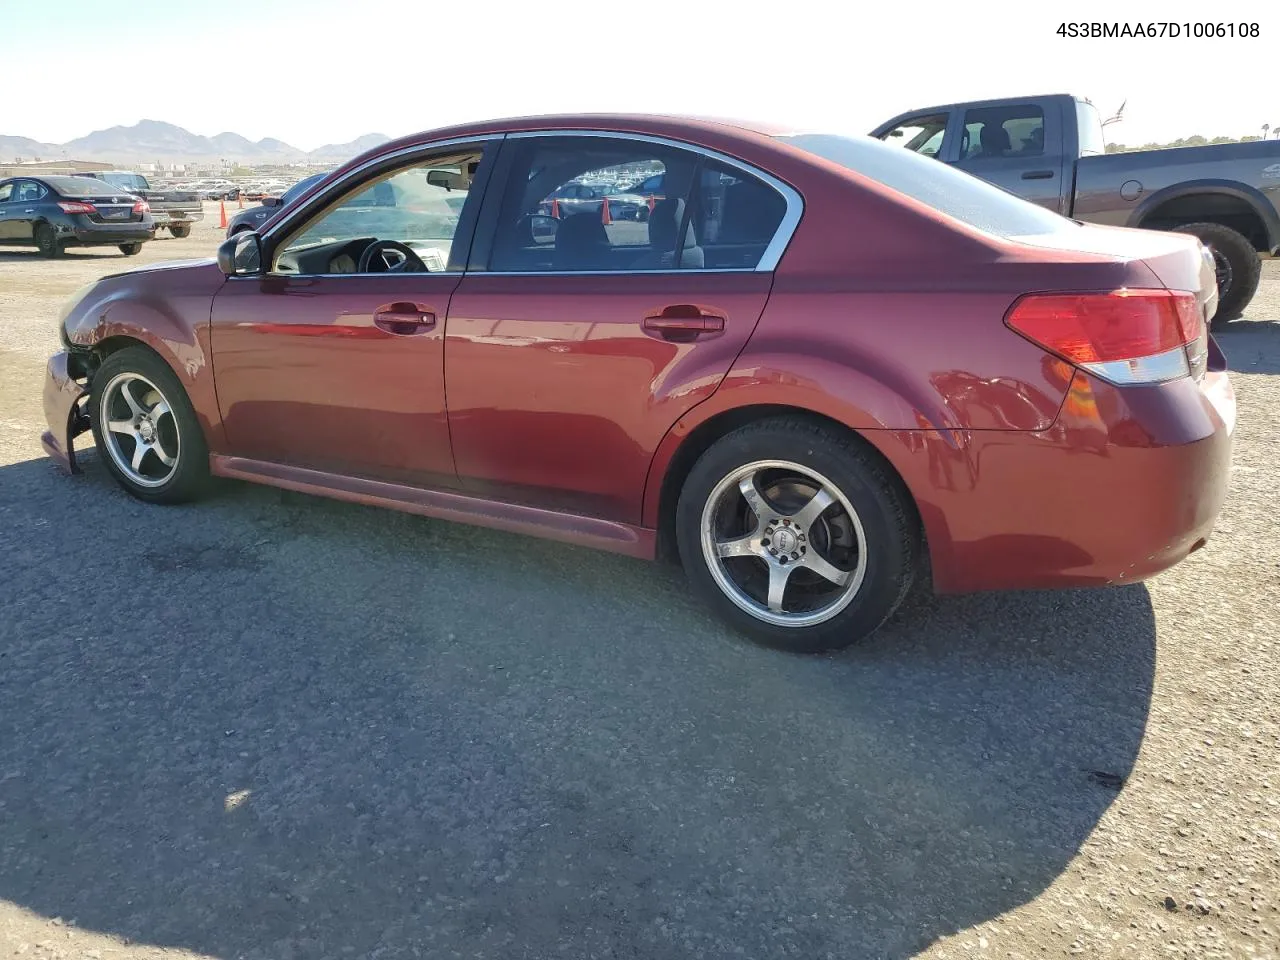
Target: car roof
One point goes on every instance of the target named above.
(675, 126)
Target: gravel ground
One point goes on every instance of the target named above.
(270, 726)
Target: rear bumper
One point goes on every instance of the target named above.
(62, 412)
(166, 217)
(1127, 483)
(91, 234)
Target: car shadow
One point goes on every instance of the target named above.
(268, 725)
(8, 256)
(1250, 346)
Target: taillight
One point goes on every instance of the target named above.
(142, 207)
(71, 206)
(1123, 336)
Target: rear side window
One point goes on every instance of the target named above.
(948, 190)
(29, 191)
(576, 204)
(993, 132)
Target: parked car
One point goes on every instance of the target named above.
(53, 213)
(1051, 151)
(256, 218)
(175, 210)
(795, 410)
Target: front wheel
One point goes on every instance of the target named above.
(145, 428)
(131, 249)
(180, 230)
(798, 535)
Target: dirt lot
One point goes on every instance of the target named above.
(269, 726)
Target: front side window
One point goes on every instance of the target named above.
(922, 135)
(605, 204)
(403, 221)
(993, 132)
(6, 191)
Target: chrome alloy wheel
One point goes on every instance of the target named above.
(783, 543)
(139, 430)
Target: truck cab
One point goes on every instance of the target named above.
(1027, 145)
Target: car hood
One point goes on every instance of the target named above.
(161, 267)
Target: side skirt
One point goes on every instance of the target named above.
(549, 524)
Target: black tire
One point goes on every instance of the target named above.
(131, 249)
(190, 475)
(47, 241)
(1241, 262)
(180, 230)
(881, 504)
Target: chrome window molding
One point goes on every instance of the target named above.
(503, 273)
(782, 236)
(768, 260)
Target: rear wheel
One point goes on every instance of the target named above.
(131, 249)
(180, 230)
(1236, 264)
(798, 536)
(145, 428)
(47, 241)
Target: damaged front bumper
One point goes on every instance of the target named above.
(63, 411)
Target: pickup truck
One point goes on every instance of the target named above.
(176, 210)
(1050, 150)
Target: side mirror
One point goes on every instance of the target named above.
(271, 201)
(241, 255)
(543, 228)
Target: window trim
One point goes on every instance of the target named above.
(373, 166)
(768, 261)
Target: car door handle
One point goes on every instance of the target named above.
(1038, 175)
(403, 319)
(29, 210)
(682, 323)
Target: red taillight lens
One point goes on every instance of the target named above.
(142, 207)
(69, 206)
(1126, 336)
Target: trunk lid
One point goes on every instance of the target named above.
(1177, 260)
(112, 207)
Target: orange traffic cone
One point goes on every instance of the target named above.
(222, 214)
(604, 212)
(555, 208)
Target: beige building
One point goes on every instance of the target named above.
(52, 168)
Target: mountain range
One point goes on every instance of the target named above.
(154, 141)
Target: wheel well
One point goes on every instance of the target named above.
(705, 434)
(85, 362)
(1222, 208)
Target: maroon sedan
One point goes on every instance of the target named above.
(819, 361)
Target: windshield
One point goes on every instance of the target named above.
(946, 189)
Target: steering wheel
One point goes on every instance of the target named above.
(390, 256)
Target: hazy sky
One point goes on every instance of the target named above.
(319, 71)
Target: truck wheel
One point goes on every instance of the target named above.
(1238, 267)
(131, 249)
(47, 241)
(180, 230)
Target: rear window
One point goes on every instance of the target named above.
(948, 190)
(82, 186)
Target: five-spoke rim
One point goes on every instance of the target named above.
(783, 543)
(139, 429)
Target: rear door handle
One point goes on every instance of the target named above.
(403, 319)
(1038, 175)
(683, 323)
